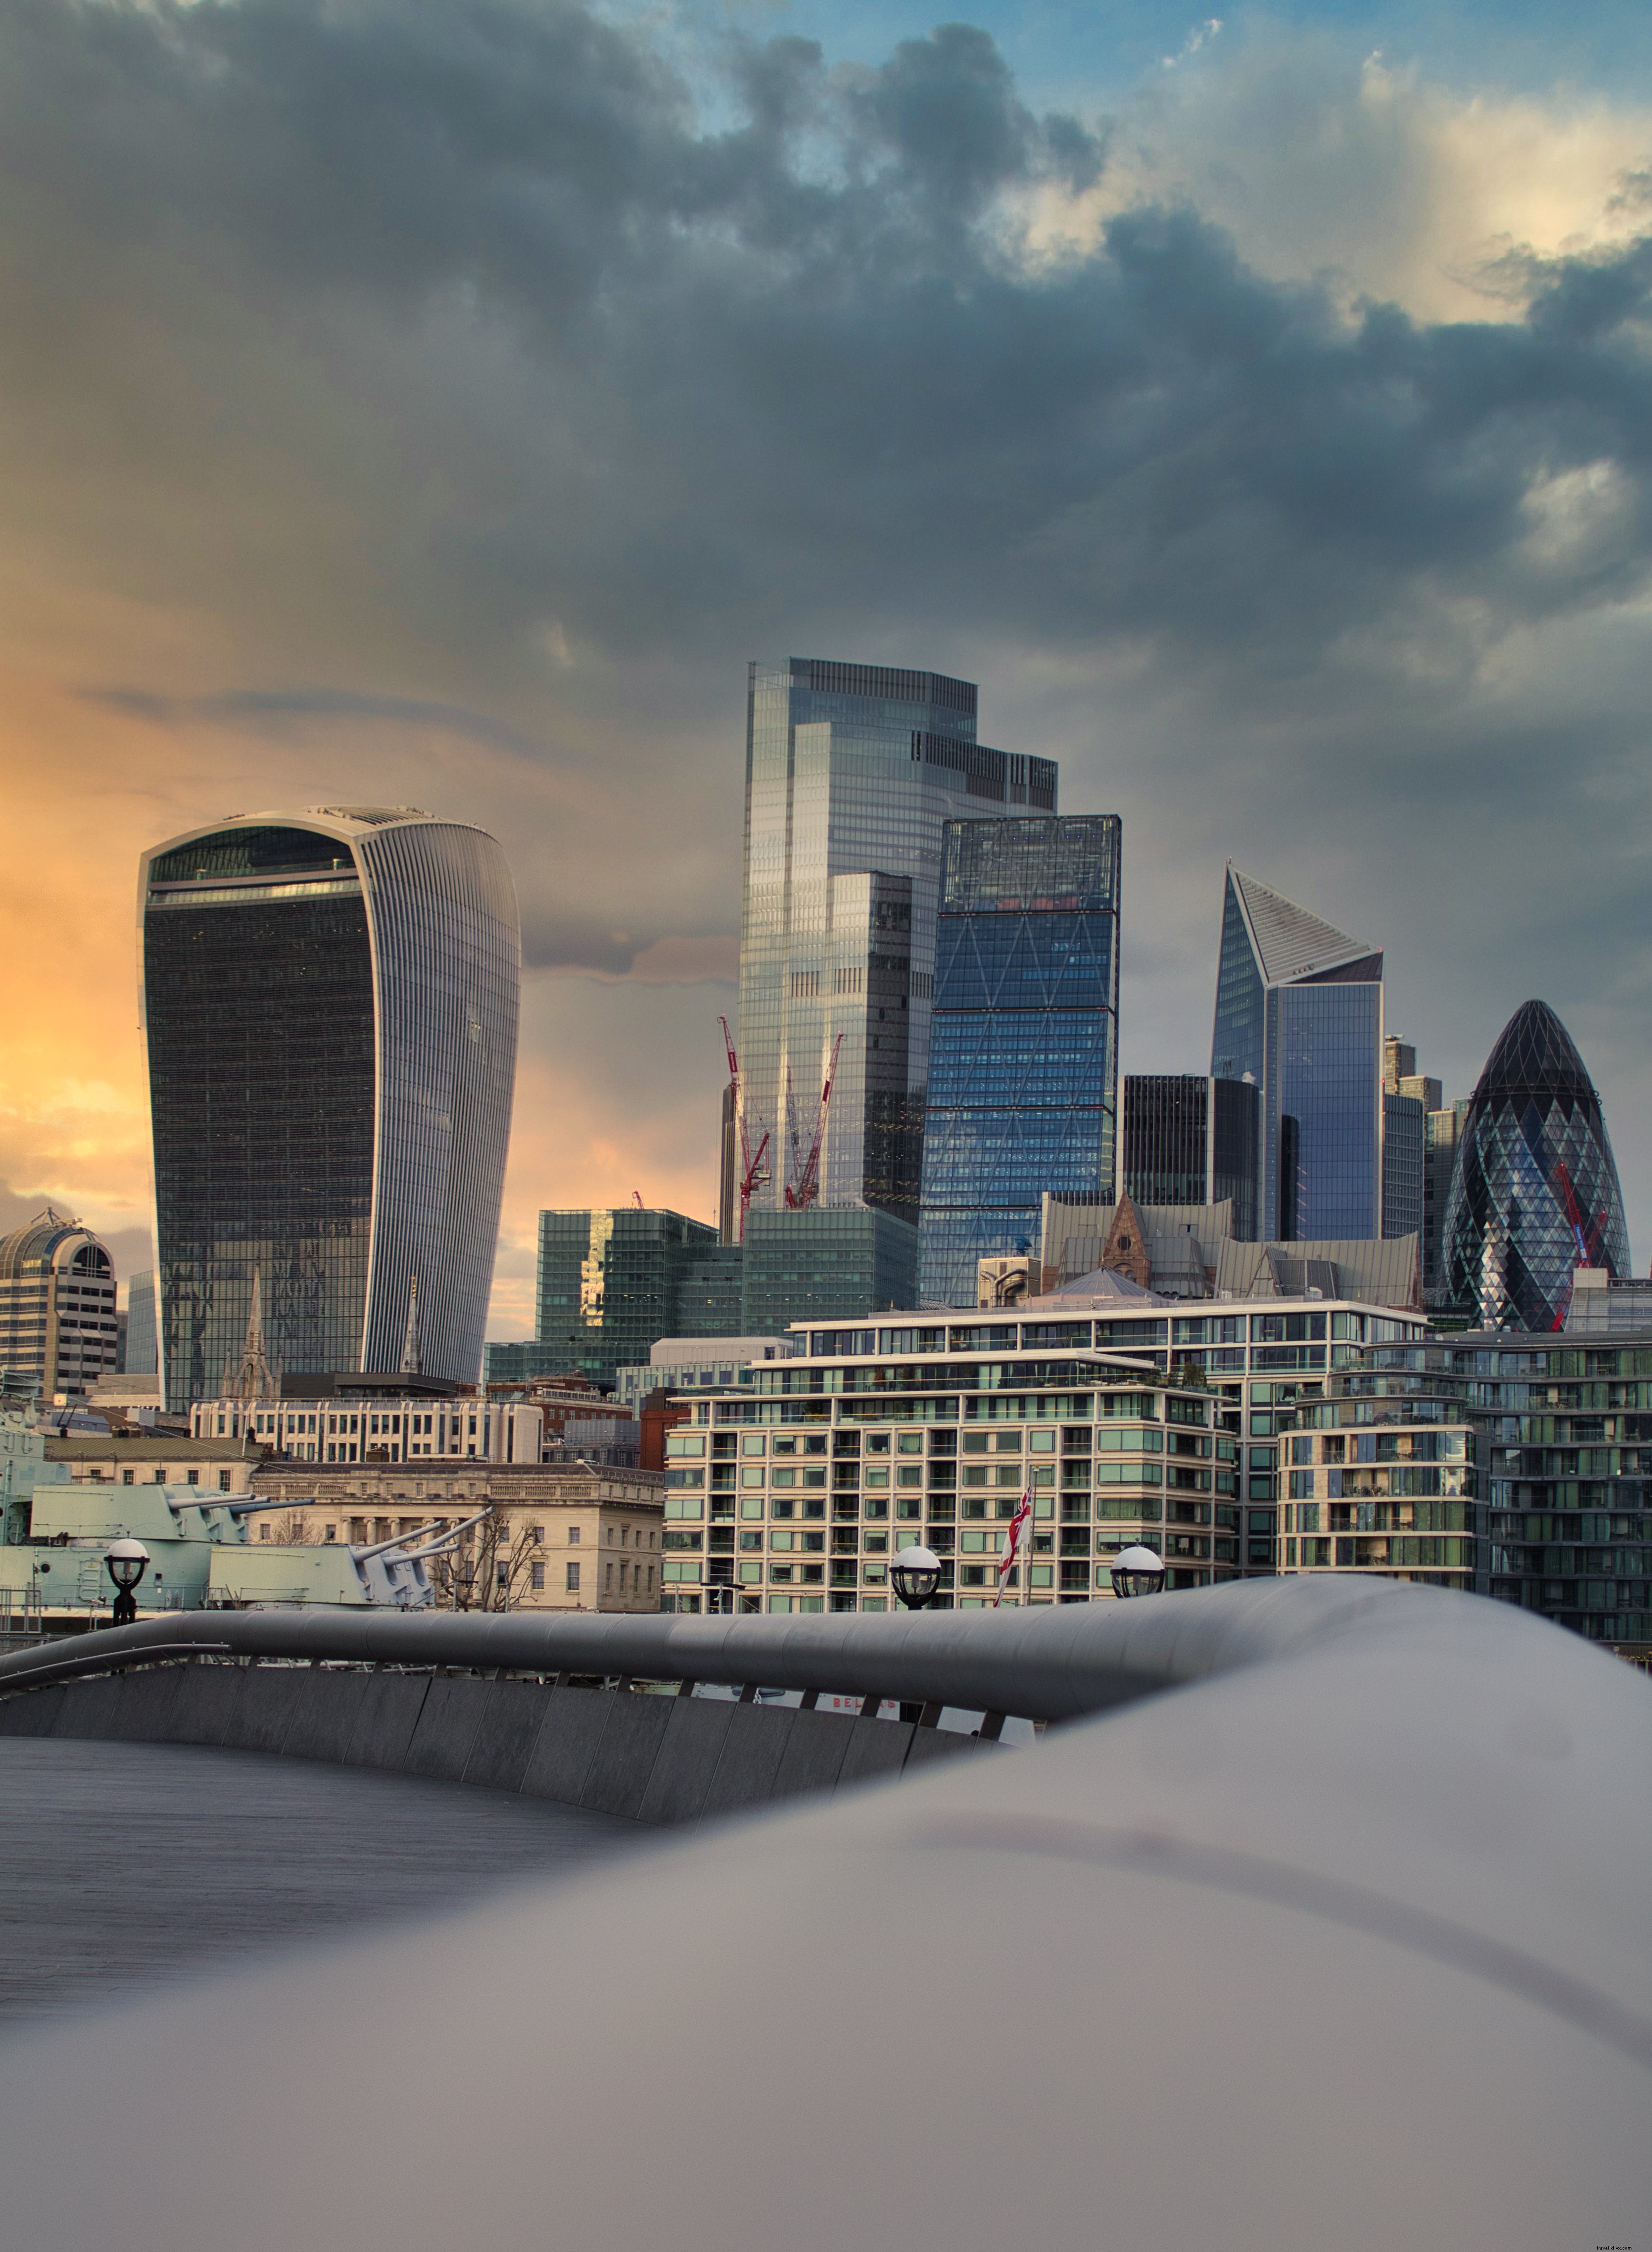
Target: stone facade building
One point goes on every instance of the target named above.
(563, 1539)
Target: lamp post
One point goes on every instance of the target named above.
(1137, 1572)
(915, 1575)
(125, 1562)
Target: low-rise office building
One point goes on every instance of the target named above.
(794, 1493)
(215, 1465)
(356, 1419)
(692, 1365)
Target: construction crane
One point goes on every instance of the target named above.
(805, 1190)
(752, 1174)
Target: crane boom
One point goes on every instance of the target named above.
(752, 1172)
(806, 1190)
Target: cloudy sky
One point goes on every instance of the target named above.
(441, 401)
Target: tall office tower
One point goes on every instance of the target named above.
(728, 1167)
(1535, 1194)
(1442, 1131)
(139, 1325)
(1405, 1128)
(851, 772)
(57, 1329)
(1189, 1140)
(610, 1282)
(1299, 1011)
(329, 1002)
(1023, 1055)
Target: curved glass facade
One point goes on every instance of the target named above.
(1535, 1165)
(331, 1013)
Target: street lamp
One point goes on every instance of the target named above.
(1137, 1572)
(916, 1574)
(125, 1562)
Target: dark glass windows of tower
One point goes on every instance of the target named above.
(330, 1014)
(1189, 1140)
(1024, 1040)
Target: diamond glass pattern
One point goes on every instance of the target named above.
(1534, 1158)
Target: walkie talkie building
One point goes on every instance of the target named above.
(330, 1004)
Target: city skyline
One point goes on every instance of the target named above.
(1240, 606)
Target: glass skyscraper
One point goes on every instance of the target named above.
(1535, 1193)
(1299, 1011)
(1023, 1039)
(613, 1281)
(330, 1002)
(1189, 1140)
(851, 772)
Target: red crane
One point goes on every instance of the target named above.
(1588, 1235)
(806, 1190)
(752, 1172)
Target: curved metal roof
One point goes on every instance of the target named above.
(31, 1249)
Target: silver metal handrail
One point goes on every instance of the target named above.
(1051, 1663)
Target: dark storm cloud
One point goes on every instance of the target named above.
(276, 708)
(449, 354)
(776, 364)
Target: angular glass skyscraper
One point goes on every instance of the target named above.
(1299, 1011)
(1535, 1174)
(330, 1006)
(852, 771)
(1023, 1056)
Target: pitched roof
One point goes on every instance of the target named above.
(1291, 942)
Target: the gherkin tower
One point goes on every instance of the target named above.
(1535, 1194)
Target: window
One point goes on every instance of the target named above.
(329, 1533)
(574, 1542)
(535, 1533)
(608, 1581)
(223, 1481)
(574, 1579)
(127, 1477)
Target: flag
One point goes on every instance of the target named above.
(1013, 1545)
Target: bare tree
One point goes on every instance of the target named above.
(490, 1567)
(289, 1531)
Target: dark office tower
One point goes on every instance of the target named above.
(852, 771)
(1405, 1128)
(1535, 1193)
(1190, 1140)
(1299, 1011)
(330, 1004)
(1023, 1041)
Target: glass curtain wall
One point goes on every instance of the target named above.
(330, 1014)
(1024, 1054)
(851, 772)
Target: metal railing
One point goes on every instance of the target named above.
(1053, 1662)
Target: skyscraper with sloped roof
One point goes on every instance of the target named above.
(1299, 1013)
